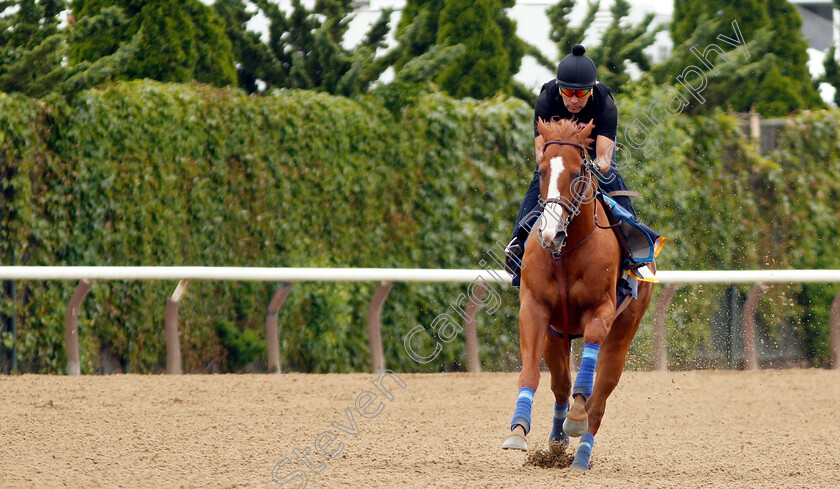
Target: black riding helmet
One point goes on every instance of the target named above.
(576, 71)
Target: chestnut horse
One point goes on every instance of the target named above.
(568, 290)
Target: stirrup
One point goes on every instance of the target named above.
(643, 274)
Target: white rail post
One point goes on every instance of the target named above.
(660, 313)
(750, 354)
(170, 328)
(71, 329)
(272, 335)
(374, 324)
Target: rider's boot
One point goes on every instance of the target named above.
(513, 259)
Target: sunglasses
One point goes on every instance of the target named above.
(575, 93)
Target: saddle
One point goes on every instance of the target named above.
(639, 244)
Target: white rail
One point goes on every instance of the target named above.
(380, 274)
(387, 276)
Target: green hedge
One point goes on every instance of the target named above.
(151, 174)
(144, 173)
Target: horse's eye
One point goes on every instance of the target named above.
(577, 174)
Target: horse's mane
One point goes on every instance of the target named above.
(564, 130)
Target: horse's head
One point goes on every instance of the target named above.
(566, 178)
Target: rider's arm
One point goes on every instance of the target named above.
(604, 149)
(542, 110)
(608, 122)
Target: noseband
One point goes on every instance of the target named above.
(572, 208)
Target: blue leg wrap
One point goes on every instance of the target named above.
(557, 433)
(584, 451)
(522, 415)
(586, 375)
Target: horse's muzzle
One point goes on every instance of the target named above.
(558, 241)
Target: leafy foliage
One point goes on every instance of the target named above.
(305, 47)
(484, 68)
(471, 48)
(562, 33)
(173, 40)
(775, 81)
(144, 173)
(622, 43)
(188, 175)
(832, 72)
(417, 30)
(251, 54)
(33, 49)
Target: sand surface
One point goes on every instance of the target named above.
(763, 429)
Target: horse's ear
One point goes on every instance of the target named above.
(586, 130)
(542, 127)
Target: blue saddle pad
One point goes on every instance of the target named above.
(644, 242)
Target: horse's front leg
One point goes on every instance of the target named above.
(577, 422)
(556, 356)
(533, 324)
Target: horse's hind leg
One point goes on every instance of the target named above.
(557, 358)
(610, 366)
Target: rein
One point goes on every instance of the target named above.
(566, 143)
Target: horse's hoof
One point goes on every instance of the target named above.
(557, 435)
(580, 463)
(562, 439)
(515, 442)
(584, 452)
(575, 428)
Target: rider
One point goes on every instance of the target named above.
(574, 94)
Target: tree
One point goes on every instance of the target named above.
(34, 49)
(31, 45)
(417, 30)
(469, 49)
(483, 70)
(776, 80)
(250, 53)
(791, 49)
(179, 40)
(832, 68)
(304, 48)
(622, 43)
(418, 59)
(735, 83)
(562, 33)
(832, 73)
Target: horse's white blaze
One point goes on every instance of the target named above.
(553, 213)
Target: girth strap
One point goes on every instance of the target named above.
(624, 193)
(562, 336)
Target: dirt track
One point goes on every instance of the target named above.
(777, 429)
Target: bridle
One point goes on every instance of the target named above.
(572, 208)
